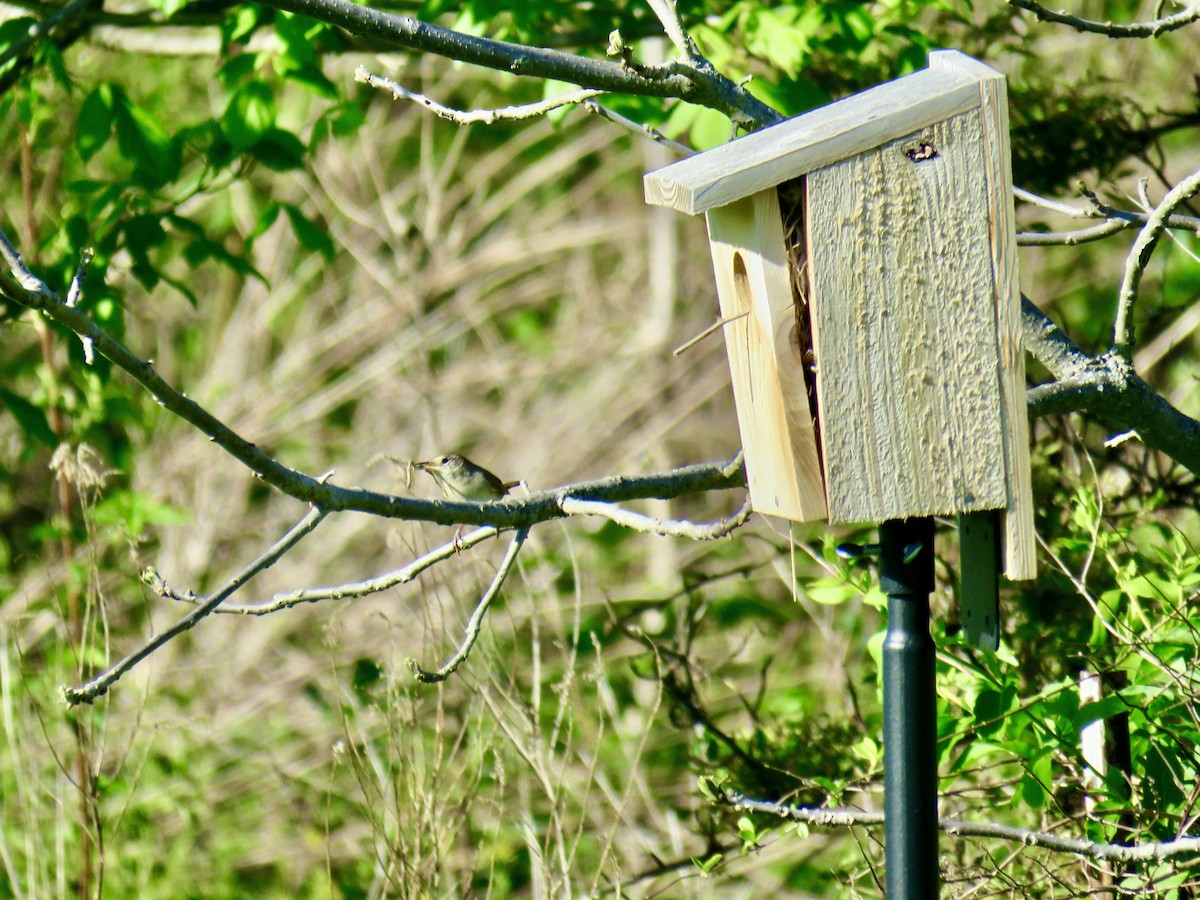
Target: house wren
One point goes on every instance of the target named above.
(461, 479)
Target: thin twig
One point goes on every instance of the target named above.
(692, 342)
(1139, 258)
(1096, 209)
(472, 116)
(99, 685)
(1190, 13)
(350, 591)
(697, 531)
(476, 621)
(1054, 205)
(673, 27)
(1072, 238)
(644, 130)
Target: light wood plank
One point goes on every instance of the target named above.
(773, 155)
(905, 328)
(783, 470)
(1020, 543)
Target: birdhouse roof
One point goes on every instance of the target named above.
(771, 156)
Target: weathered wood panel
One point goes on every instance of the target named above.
(904, 324)
(1020, 542)
(777, 154)
(782, 467)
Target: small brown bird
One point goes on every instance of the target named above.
(461, 479)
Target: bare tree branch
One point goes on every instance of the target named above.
(691, 80)
(351, 591)
(1139, 258)
(1153, 28)
(1114, 220)
(475, 623)
(697, 531)
(1071, 238)
(99, 685)
(1150, 852)
(468, 117)
(540, 506)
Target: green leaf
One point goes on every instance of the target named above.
(790, 96)
(711, 787)
(95, 122)
(48, 54)
(781, 36)
(249, 115)
(311, 236)
(309, 75)
(1036, 779)
(203, 250)
(1151, 586)
(141, 139)
(706, 866)
(167, 7)
(830, 591)
(30, 418)
(711, 129)
(279, 150)
(1032, 793)
(265, 220)
(338, 121)
(14, 30)
(991, 706)
(239, 26)
(143, 233)
(298, 38)
(747, 832)
(1100, 709)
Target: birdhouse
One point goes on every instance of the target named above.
(865, 257)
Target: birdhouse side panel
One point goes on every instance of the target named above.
(1020, 539)
(747, 246)
(904, 321)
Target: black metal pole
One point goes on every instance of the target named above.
(909, 711)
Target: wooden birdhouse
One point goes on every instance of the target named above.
(866, 265)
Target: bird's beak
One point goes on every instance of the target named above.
(425, 465)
